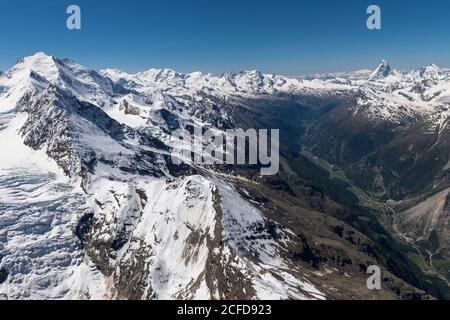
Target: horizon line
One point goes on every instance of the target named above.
(366, 69)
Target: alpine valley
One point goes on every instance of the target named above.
(92, 205)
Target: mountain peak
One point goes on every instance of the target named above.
(41, 54)
(38, 56)
(40, 63)
(429, 68)
(382, 71)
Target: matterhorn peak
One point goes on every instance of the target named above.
(382, 71)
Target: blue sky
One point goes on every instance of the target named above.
(286, 37)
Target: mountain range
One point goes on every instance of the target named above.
(92, 205)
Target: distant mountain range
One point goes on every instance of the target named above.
(92, 205)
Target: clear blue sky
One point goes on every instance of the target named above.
(286, 37)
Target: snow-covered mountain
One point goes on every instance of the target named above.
(92, 205)
(383, 95)
(382, 72)
(153, 231)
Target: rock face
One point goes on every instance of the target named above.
(93, 205)
(3, 275)
(383, 71)
(426, 225)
